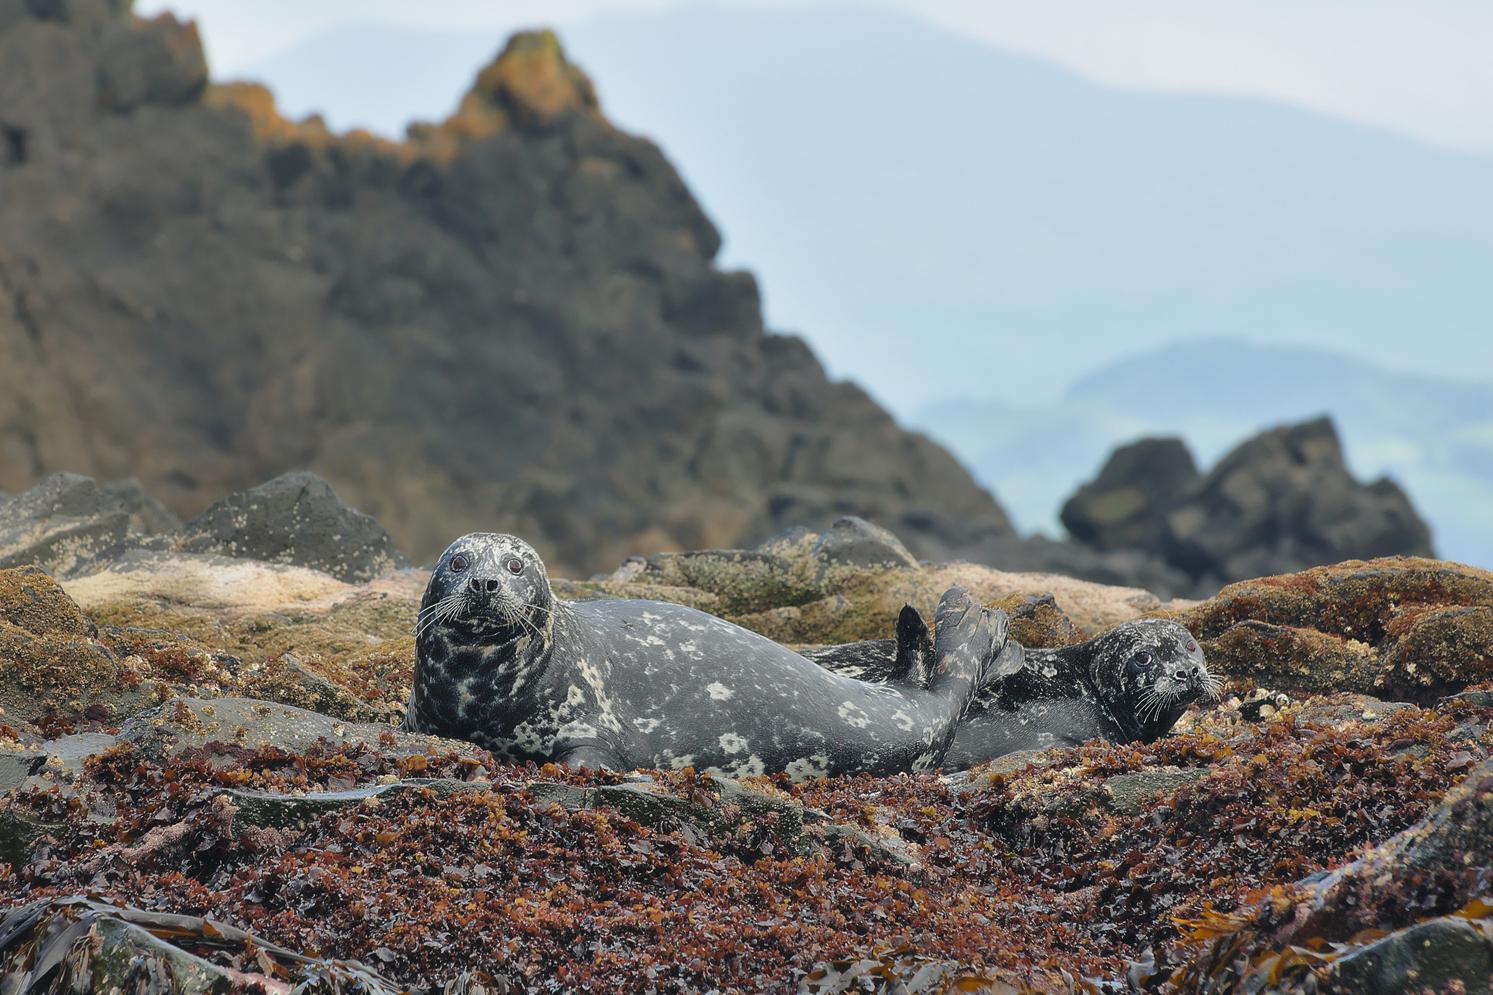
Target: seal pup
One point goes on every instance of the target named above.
(503, 663)
(1130, 683)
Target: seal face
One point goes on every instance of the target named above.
(502, 662)
(1130, 683)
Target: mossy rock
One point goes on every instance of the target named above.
(30, 599)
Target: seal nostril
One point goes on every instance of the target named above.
(492, 586)
(475, 585)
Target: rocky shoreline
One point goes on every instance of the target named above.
(202, 782)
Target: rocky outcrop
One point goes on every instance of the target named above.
(295, 518)
(1125, 507)
(1279, 502)
(510, 321)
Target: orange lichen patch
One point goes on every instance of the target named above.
(529, 85)
(258, 105)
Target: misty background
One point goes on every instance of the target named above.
(1037, 233)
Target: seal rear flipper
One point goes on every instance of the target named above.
(914, 649)
(966, 641)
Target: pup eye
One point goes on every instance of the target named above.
(514, 565)
(458, 563)
(1142, 660)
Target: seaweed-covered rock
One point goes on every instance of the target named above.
(298, 519)
(1398, 627)
(30, 599)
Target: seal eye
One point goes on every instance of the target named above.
(1141, 661)
(514, 565)
(458, 563)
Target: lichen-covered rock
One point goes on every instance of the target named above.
(1397, 627)
(297, 519)
(30, 599)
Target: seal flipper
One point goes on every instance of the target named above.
(967, 641)
(914, 649)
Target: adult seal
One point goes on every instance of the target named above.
(1129, 684)
(503, 663)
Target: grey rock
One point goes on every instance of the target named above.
(1125, 507)
(1130, 792)
(1429, 956)
(148, 516)
(297, 519)
(187, 723)
(854, 542)
(16, 766)
(20, 831)
(62, 524)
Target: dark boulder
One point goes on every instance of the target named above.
(1286, 501)
(1279, 502)
(297, 519)
(1125, 506)
(62, 524)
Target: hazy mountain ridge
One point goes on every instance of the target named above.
(1433, 435)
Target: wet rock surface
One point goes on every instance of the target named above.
(222, 755)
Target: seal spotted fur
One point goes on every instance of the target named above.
(1130, 683)
(503, 663)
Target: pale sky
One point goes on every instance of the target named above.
(1419, 67)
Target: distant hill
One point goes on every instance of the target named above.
(946, 219)
(1433, 435)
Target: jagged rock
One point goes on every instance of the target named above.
(187, 723)
(148, 516)
(233, 295)
(1125, 507)
(297, 519)
(1284, 501)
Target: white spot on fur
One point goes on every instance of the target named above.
(854, 715)
(719, 691)
(732, 743)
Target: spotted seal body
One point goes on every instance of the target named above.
(1130, 683)
(503, 663)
